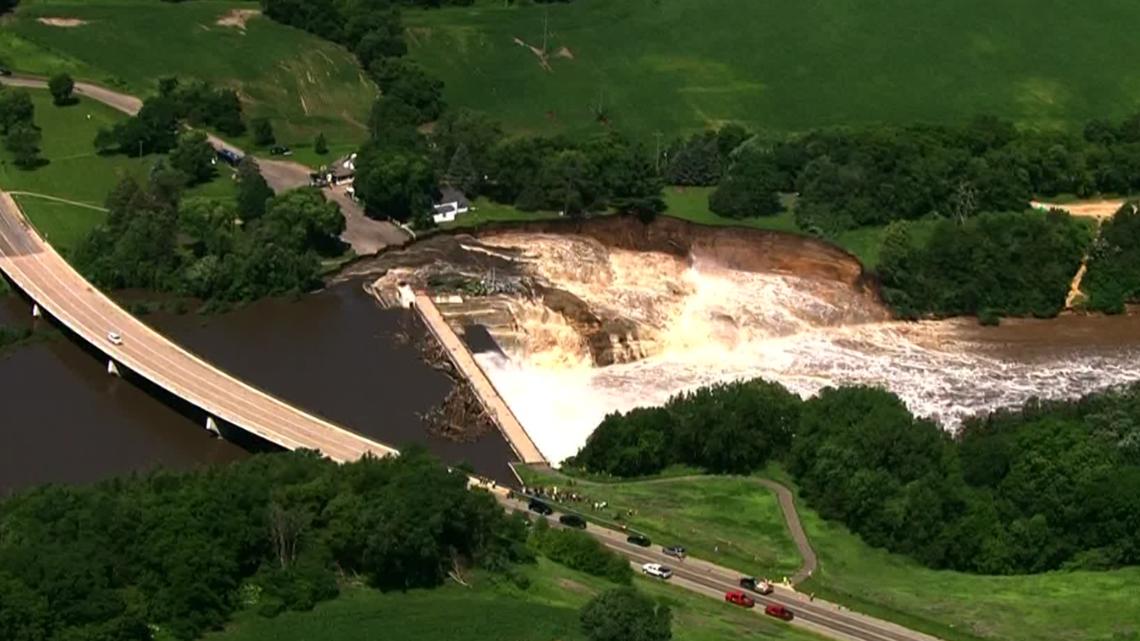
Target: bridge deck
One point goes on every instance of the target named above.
(60, 291)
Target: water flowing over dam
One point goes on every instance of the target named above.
(613, 315)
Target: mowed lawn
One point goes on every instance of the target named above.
(1058, 606)
(547, 610)
(64, 197)
(777, 65)
(303, 84)
(732, 521)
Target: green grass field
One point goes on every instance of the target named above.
(728, 522)
(1058, 606)
(301, 82)
(76, 174)
(679, 65)
(546, 611)
(489, 211)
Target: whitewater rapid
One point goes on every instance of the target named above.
(706, 324)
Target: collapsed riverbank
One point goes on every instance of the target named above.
(589, 317)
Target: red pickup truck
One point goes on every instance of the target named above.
(739, 598)
(778, 611)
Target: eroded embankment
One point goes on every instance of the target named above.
(614, 289)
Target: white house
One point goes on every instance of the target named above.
(451, 203)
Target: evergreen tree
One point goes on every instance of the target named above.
(253, 191)
(460, 172)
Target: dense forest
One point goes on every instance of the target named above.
(1052, 485)
(175, 554)
(1113, 277)
(1017, 264)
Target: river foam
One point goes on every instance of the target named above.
(706, 324)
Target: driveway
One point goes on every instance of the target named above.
(366, 235)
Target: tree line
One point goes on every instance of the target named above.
(174, 554)
(1053, 485)
(156, 127)
(257, 245)
(849, 178)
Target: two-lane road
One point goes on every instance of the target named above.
(713, 581)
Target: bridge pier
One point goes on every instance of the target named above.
(112, 368)
(36, 313)
(212, 426)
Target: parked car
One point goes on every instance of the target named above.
(639, 539)
(5, 71)
(115, 338)
(778, 611)
(738, 597)
(280, 150)
(572, 520)
(657, 570)
(538, 507)
(229, 157)
(675, 551)
(759, 587)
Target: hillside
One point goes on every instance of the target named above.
(673, 65)
(301, 82)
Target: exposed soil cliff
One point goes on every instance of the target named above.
(612, 290)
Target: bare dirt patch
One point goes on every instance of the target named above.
(237, 18)
(574, 586)
(564, 52)
(1099, 209)
(66, 23)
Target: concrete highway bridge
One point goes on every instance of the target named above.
(59, 291)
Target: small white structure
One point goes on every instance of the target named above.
(452, 203)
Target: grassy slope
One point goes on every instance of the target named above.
(302, 83)
(1059, 606)
(546, 611)
(674, 65)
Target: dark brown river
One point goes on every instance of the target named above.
(333, 353)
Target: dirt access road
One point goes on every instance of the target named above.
(365, 235)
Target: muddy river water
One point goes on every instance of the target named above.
(569, 327)
(334, 353)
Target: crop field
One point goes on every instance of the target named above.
(302, 83)
(677, 65)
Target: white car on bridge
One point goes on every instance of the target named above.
(115, 338)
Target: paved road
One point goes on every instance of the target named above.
(365, 235)
(712, 580)
(61, 292)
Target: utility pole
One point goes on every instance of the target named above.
(545, 28)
